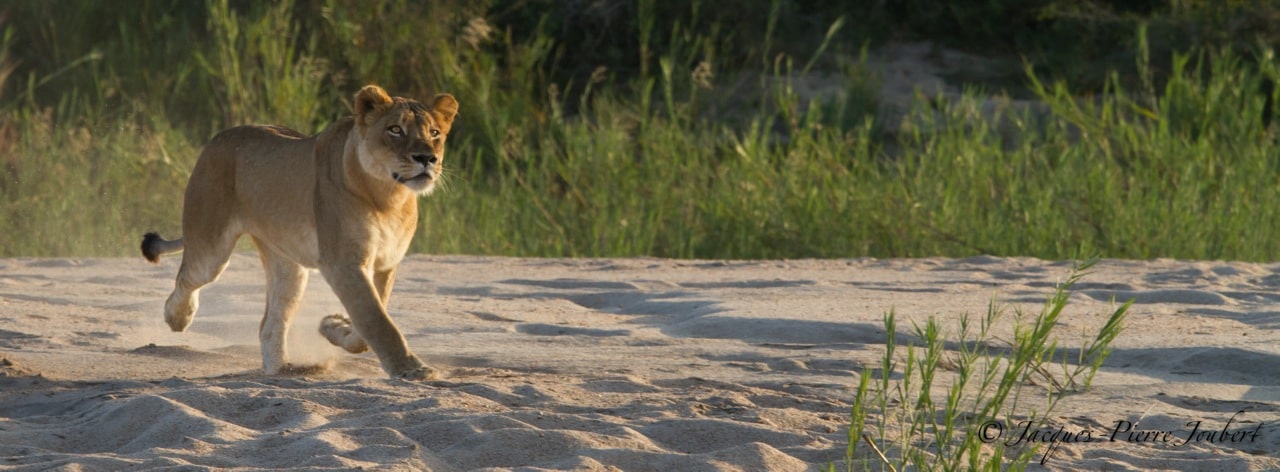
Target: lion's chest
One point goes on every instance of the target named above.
(389, 245)
(389, 237)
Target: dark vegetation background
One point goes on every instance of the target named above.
(676, 129)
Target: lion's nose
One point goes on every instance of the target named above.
(425, 159)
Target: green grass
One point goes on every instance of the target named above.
(691, 142)
(1184, 172)
(931, 409)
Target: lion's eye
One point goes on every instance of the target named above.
(435, 133)
(396, 130)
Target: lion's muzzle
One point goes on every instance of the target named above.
(404, 179)
(426, 159)
(419, 179)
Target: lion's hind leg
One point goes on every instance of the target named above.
(286, 282)
(203, 260)
(210, 229)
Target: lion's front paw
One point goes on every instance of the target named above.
(422, 373)
(411, 368)
(337, 329)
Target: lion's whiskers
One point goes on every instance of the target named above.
(442, 179)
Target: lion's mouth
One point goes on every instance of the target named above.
(406, 179)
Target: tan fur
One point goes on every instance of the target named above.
(344, 200)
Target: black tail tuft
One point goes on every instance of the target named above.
(150, 241)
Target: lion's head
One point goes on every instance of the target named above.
(402, 139)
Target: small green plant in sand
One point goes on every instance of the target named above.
(914, 421)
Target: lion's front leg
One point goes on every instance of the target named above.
(369, 323)
(337, 327)
(384, 281)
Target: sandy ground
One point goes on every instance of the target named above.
(631, 364)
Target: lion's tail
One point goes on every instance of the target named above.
(154, 246)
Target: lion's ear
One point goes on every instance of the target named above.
(444, 108)
(370, 98)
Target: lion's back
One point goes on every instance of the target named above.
(264, 176)
(251, 141)
(256, 150)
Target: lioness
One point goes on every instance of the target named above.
(344, 200)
